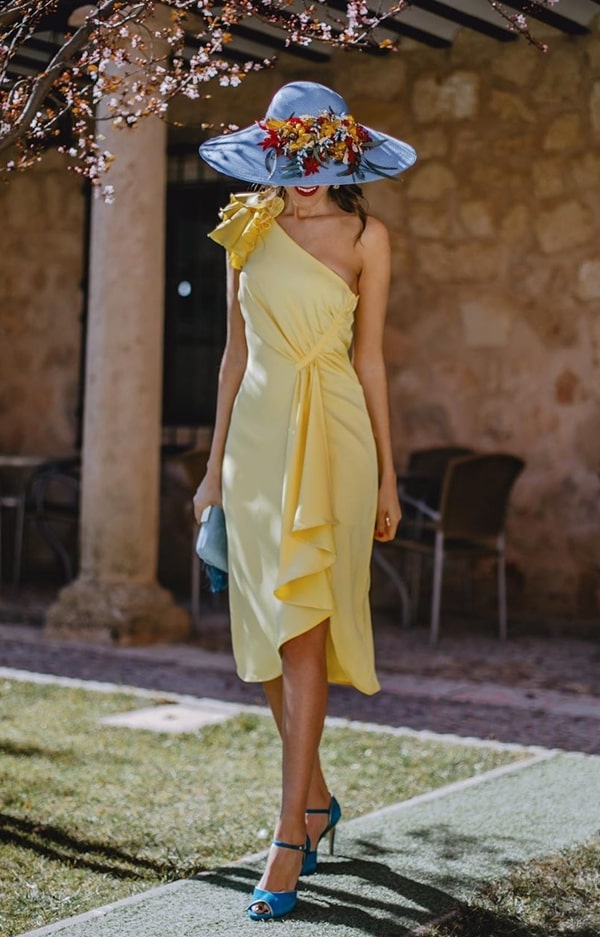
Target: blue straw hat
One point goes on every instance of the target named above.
(307, 137)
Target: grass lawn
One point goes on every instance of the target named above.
(92, 813)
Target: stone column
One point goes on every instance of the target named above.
(116, 597)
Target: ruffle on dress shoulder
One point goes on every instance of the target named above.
(243, 222)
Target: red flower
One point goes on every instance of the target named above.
(271, 140)
(310, 165)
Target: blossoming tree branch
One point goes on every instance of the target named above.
(136, 57)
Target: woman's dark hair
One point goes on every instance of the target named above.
(349, 198)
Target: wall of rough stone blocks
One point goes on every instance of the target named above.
(493, 337)
(41, 269)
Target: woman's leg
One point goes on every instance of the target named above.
(319, 796)
(299, 703)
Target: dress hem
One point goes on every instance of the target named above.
(330, 682)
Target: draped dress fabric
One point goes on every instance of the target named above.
(299, 468)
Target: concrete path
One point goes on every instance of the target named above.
(394, 870)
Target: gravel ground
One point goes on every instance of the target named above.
(468, 653)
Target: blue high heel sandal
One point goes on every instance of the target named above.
(277, 902)
(334, 813)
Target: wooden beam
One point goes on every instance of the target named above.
(547, 16)
(399, 28)
(277, 43)
(465, 19)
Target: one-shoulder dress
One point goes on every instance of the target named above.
(299, 471)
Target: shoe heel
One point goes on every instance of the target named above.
(334, 814)
(309, 866)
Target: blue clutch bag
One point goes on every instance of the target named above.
(211, 546)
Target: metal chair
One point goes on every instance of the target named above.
(55, 493)
(14, 501)
(469, 523)
(419, 488)
(422, 481)
(388, 568)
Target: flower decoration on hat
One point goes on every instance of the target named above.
(309, 143)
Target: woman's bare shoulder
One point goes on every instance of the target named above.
(374, 242)
(375, 234)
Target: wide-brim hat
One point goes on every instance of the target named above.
(307, 137)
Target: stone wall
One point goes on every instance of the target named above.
(41, 269)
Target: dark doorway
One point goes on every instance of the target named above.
(195, 302)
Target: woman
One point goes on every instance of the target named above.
(301, 454)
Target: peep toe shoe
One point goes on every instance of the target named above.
(277, 903)
(334, 813)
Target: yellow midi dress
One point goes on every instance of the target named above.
(299, 469)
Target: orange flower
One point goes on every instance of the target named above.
(310, 142)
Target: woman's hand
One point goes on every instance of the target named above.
(388, 510)
(209, 492)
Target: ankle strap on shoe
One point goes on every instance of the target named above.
(305, 847)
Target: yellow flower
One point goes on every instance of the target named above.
(309, 139)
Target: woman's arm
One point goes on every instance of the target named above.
(369, 365)
(233, 365)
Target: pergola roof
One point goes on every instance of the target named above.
(433, 23)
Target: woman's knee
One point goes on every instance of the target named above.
(308, 645)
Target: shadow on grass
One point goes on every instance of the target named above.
(54, 843)
(372, 894)
(459, 859)
(365, 895)
(27, 751)
(474, 921)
